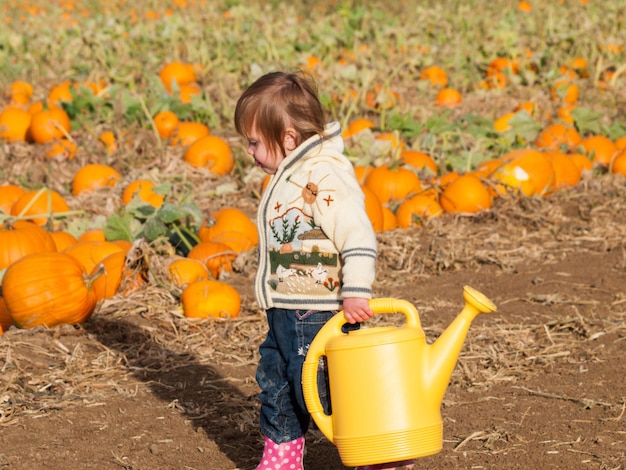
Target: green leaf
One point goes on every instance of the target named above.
(438, 124)
(193, 211)
(588, 121)
(153, 229)
(616, 130)
(139, 208)
(476, 126)
(404, 124)
(120, 227)
(523, 125)
(169, 213)
(131, 106)
(163, 188)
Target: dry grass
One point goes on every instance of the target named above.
(133, 338)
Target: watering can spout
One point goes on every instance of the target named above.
(442, 355)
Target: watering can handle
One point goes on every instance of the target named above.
(331, 329)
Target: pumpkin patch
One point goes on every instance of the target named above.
(489, 139)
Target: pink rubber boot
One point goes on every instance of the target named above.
(285, 456)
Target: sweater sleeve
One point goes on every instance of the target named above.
(346, 223)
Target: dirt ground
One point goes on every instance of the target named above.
(539, 384)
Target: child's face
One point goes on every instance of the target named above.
(264, 157)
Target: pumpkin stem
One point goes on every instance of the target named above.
(63, 131)
(31, 202)
(52, 215)
(144, 108)
(90, 278)
(6, 220)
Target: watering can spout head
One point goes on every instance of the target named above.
(444, 352)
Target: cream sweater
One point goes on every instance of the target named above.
(316, 242)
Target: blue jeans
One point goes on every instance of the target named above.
(284, 416)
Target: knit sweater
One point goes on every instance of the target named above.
(316, 242)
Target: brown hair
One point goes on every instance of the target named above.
(276, 101)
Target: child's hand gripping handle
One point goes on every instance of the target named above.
(331, 329)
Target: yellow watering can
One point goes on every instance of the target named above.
(386, 383)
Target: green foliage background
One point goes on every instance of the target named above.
(386, 44)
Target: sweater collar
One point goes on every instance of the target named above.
(331, 141)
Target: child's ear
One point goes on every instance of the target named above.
(290, 139)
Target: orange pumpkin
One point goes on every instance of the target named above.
(21, 92)
(125, 245)
(187, 91)
(414, 210)
(564, 90)
(392, 184)
(447, 178)
(618, 164)
(187, 132)
(419, 161)
(108, 140)
(108, 275)
(566, 172)
(144, 189)
(89, 253)
(176, 72)
(583, 162)
(356, 126)
(374, 209)
(94, 176)
(9, 193)
(165, 123)
(20, 239)
(390, 221)
(59, 93)
(47, 289)
(600, 149)
(485, 169)
(528, 170)
(209, 298)
(467, 193)
(227, 220)
(502, 65)
(62, 239)
(565, 113)
(217, 257)
(39, 205)
(93, 234)
(556, 135)
(5, 319)
(435, 75)
(448, 98)
(48, 125)
(184, 271)
(14, 124)
(501, 124)
(360, 171)
(236, 241)
(211, 152)
(61, 150)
